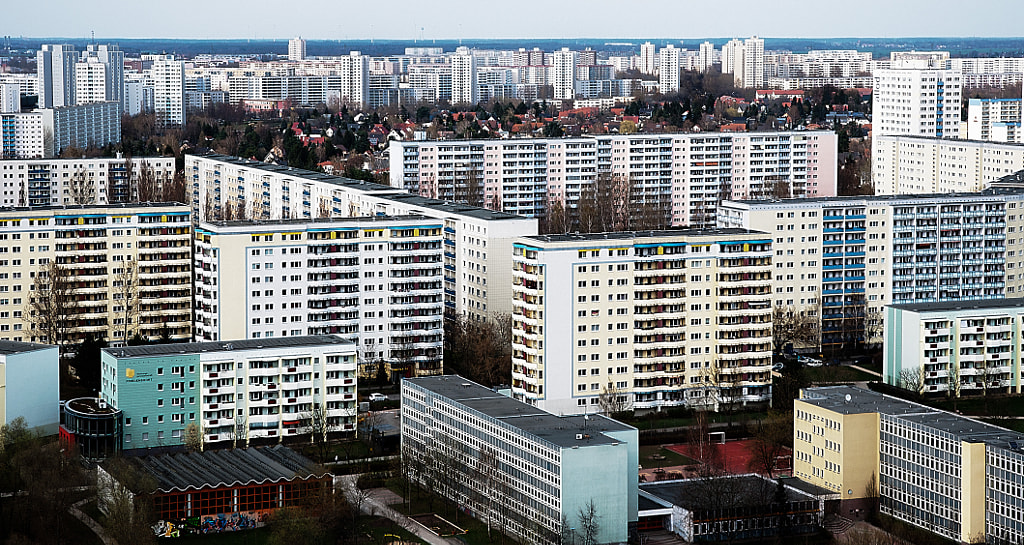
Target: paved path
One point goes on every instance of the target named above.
(868, 371)
(88, 521)
(372, 504)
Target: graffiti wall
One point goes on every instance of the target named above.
(213, 524)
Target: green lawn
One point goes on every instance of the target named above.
(1002, 406)
(654, 456)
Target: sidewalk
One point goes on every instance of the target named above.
(868, 371)
(373, 506)
(88, 521)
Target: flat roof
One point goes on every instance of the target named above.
(991, 192)
(300, 221)
(224, 346)
(725, 492)
(559, 430)
(81, 207)
(90, 405)
(662, 233)
(8, 348)
(963, 305)
(228, 467)
(865, 401)
(379, 190)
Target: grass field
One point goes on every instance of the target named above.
(654, 456)
(836, 374)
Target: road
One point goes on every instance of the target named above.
(370, 504)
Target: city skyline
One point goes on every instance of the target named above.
(787, 18)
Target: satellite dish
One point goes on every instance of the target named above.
(848, 398)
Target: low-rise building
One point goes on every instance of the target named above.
(955, 347)
(216, 491)
(952, 475)
(644, 320)
(29, 383)
(233, 391)
(522, 469)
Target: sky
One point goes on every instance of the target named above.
(450, 19)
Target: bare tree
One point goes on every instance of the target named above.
(147, 187)
(912, 379)
(771, 437)
(53, 303)
(590, 524)
(469, 189)
(873, 325)
(83, 190)
(317, 424)
(176, 190)
(126, 286)
(240, 433)
(209, 207)
(613, 399)
(792, 326)
(486, 485)
(556, 220)
(193, 437)
(123, 493)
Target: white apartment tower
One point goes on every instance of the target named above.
(753, 63)
(660, 318)
(296, 49)
(732, 58)
(917, 101)
(564, 73)
(169, 91)
(112, 59)
(55, 68)
(706, 58)
(464, 88)
(668, 70)
(10, 98)
(648, 63)
(91, 81)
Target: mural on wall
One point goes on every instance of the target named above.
(213, 524)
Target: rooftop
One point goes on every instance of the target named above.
(230, 467)
(90, 405)
(731, 491)
(558, 430)
(984, 304)
(88, 207)
(8, 348)
(962, 428)
(990, 193)
(379, 190)
(328, 221)
(224, 346)
(627, 235)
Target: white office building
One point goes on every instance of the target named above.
(642, 320)
(521, 469)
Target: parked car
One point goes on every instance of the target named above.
(378, 397)
(810, 362)
(778, 367)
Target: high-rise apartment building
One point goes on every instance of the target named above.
(106, 85)
(845, 258)
(952, 475)
(994, 119)
(46, 132)
(104, 249)
(956, 348)
(707, 57)
(648, 59)
(753, 63)
(524, 470)
(563, 73)
(668, 69)
(917, 101)
(909, 165)
(642, 320)
(169, 91)
(464, 87)
(685, 175)
(296, 49)
(477, 242)
(236, 391)
(98, 180)
(10, 98)
(376, 281)
(55, 69)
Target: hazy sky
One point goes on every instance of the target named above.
(445, 19)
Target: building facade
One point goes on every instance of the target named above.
(100, 180)
(376, 281)
(477, 242)
(296, 49)
(642, 320)
(955, 476)
(521, 469)
(955, 348)
(845, 258)
(103, 248)
(685, 174)
(233, 391)
(46, 132)
(29, 383)
(907, 165)
(55, 69)
(994, 119)
(168, 77)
